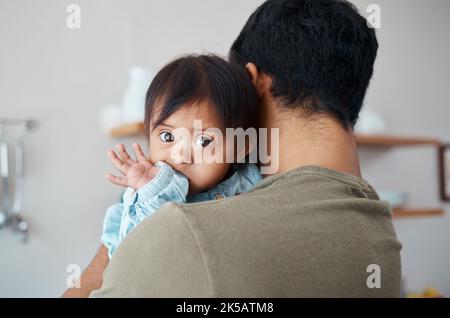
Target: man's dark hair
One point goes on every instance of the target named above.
(195, 78)
(319, 54)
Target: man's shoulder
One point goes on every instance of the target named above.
(229, 211)
(311, 193)
(275, 240)
(160, 257)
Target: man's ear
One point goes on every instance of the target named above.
(261, 81)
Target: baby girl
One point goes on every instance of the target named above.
(189, 90)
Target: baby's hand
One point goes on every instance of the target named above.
(136, 173)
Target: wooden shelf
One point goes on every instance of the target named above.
(126, 130)
(394, 141)
(418, 212)
(386, 141)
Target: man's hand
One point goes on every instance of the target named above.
(136, 173)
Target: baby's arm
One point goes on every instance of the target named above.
(147, 184)
(111, 227)
(148, 187)
(167, 186)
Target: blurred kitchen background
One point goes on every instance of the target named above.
(65, 78)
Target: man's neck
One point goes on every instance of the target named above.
(319, 141)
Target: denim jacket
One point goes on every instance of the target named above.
(168, 185)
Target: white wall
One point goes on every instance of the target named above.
(64, 77)
(411, 90)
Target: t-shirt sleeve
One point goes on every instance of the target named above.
(159, 258)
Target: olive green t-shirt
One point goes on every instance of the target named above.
(311, 232)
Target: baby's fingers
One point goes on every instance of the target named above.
(117, 180)
(124, 154)
(139, 153)
(123, 167)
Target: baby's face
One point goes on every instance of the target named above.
(169, 142)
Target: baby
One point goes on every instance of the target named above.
(193, 89)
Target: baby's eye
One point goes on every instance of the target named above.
(166, 137)
(203, 141)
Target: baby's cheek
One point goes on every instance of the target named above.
(156, 155)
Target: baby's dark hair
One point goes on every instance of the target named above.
(196, 78)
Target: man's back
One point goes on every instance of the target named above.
(311, 232)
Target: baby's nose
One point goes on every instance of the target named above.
(181, 156)
(180, 165)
